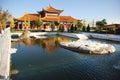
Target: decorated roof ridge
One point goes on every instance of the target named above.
(64, 16)
(51, 16)
(52, 9)
(67, 16)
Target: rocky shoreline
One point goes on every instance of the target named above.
(88, 47)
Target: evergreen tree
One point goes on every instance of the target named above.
(84, 29)
(88, 28)
(75, 28)
(72, 28)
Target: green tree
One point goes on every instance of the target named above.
(80, 25)
(104, 22)
(4, 17)
(38, 22)
(100, 24)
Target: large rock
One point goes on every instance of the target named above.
(89, 47)
(25, 35)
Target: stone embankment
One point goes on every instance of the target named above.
(110, 37)
(75, 35)
(17, 36)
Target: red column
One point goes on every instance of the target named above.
(65, 27)
(18, 26)
(22, 26)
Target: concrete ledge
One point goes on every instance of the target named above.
(110, 37)
(77, 35)
(36, 33)
(74, 35)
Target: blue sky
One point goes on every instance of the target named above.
(80, 9)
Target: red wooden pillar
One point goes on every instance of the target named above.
(18, 26)
(22, 26)
(65, 27)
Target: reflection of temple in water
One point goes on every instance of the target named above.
(50, 44)
(26, 42)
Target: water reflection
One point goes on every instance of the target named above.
(48, 44)
(25, 42)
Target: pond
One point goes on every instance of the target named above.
(44, 59)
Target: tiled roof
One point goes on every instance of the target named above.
(53, 10)
(29, 16)
(60, 18)
(67, 18)
(33, 17)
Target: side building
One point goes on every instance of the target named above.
(112, 28)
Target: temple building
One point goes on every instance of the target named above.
(49, 14)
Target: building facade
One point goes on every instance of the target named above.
(49, 14)
(112, 28)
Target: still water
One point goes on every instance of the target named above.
(43, 59)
